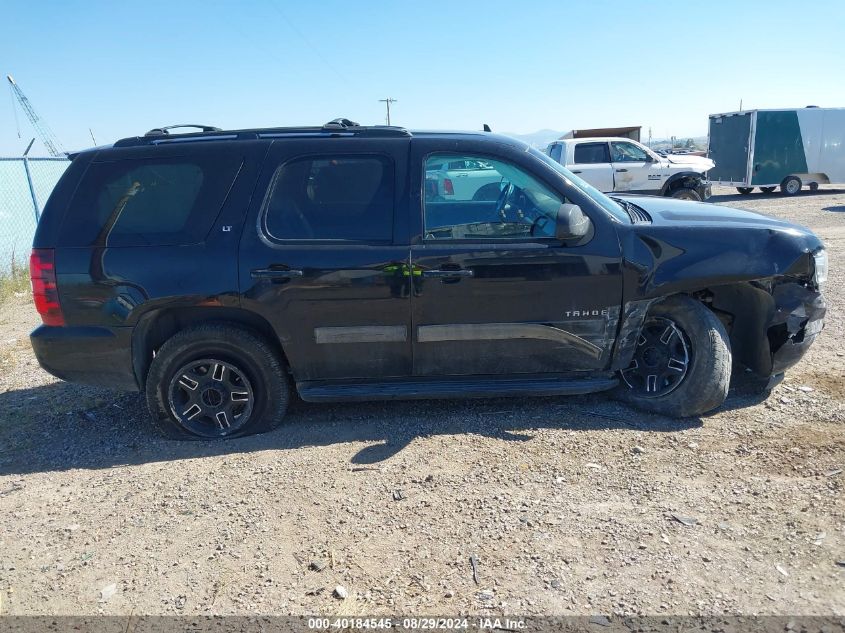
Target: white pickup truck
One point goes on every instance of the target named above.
(620, 164)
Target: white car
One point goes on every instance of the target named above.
(461, 180)
(623, 165)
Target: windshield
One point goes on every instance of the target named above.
(613, 208)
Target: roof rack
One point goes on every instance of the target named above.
(165, 131)
(341, 123)
(336, 128)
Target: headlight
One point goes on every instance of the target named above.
(820, 261)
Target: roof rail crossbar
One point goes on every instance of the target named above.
(164, 131)
(341, 124)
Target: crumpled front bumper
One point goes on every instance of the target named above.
(797, 320)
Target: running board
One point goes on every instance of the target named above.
(420, 389)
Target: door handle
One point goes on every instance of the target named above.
(274, 273)
(621, 170)
(442, 274)
(576, 171)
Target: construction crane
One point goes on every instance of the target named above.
(47, 137)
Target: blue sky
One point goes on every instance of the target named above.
(123, 68)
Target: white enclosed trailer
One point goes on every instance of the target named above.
(778, 148)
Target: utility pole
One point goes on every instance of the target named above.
(387, 102)
(29, 181)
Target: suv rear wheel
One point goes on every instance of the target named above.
(682, 364)
(216, 381)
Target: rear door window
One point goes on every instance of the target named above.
(347, 198)
(591, 153)
(148, 202)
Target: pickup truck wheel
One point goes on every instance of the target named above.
(767, 189)
(685, 193)
(216, 381)
(790, 186)
(682, 364)
(745, 190)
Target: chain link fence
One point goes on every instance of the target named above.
(25, 185)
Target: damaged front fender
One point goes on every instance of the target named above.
(756, 273)
(798, 320)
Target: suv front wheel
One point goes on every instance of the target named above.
(682, 363)
(215, 381)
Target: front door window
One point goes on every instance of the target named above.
(474, 197)
(628, 153)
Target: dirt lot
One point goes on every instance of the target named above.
(569, 506)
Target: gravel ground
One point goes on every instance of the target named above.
(567, 506)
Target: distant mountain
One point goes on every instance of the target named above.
(538, 139)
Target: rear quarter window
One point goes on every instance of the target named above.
(591, 153)
(338, 197)
(149, 201)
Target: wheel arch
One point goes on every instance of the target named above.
(746, 309)
(691, 179)
(157, 326)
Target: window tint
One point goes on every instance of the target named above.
(493, 200)
(627, 153)
(591, 153)
(164, 201)
(332, 198)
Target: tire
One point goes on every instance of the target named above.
(767, 189)
(813, 186)
(685, 193)
(697, 341)
(745, 190)
(205, 379)
(790, 186)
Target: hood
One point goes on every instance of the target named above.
(693, 245)
(670, 212)
(698, 163)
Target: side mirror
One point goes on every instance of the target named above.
(571, 223)
(649, 158)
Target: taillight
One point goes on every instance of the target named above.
(45, 292)
(448, 189)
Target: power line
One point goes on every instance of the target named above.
(387, 102)
(307, 42)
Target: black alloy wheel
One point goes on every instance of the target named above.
(660, 361)
(211, 397)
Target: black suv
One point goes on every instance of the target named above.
(215, 269)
